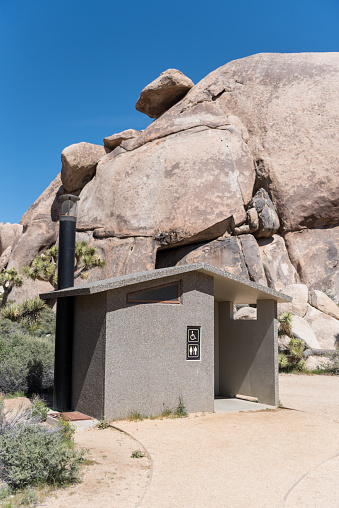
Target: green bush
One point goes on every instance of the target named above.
(39, 409)
(26, 361)
(32, 454)
(285, 324)
(293, 359)
(180, 411)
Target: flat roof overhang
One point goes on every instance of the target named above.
(227, 287)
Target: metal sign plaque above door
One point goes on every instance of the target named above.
(193, 343)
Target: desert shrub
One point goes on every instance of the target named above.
(46, 324)
(67, 431)
(293, 358)
(333, 365)
(39, 408)
(181, 409)
(27, 313)
(26, 361)
(32, 454)
(285, 324)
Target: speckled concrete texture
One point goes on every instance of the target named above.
(146, 366)
(131, 357)
(238, 290)
(89, 337)
(248, 360)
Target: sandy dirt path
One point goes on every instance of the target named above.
(233, 460)
(314, 394)
(286, 458)
(114, 480)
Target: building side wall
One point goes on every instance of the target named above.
(89, 354)
(146, 366)
(248, 360)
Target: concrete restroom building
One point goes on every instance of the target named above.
(144, 340)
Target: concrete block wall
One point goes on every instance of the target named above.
(89, 337)
(248, 353)
(145, 363)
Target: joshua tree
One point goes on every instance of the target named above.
(9, 279)
(294, 357)
(44, 267)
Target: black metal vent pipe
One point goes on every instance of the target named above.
(62, 397)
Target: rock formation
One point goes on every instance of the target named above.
(8, 234)
(79, 163)
(240, 171)
(115, 140)
(163, 92)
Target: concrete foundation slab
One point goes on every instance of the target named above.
(78, 420)
(230, 405)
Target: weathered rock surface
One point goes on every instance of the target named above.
(316, 362)
(267, 216)
(289, 105)
(278, 268)
(116, 139)
(302, 330)
(189, 177)
(124, 256)
(245, 313)
(325, 327)
(225, 254)
(8, 234)
(79, 164)
(298, 306)
(29, 289)
(40, 226)
(322, 302)
(252, 219)
(239, 256)
(315, 253)
(187, 187)
(252, 258)
(4, 258)
(205, 116)
(157, 97)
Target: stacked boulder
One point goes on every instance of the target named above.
(239, 171)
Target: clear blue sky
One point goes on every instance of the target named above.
(73, 70)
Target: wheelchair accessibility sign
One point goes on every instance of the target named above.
(193, 342)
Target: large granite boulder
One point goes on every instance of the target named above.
(79, 163)
(303, 331)
(245, 314)
(289, 106)
(8, 234)
(163, 92)
(315, 254)
(115, 140)
(4, 258)
(237, 255)
(268, 220)
(225, 253)
(184, 188)
(249, 148)
(252, 258)
(298, 305)
(325, 328)
(279, 270)
(322, 302)
(123, 256)
(317, 363)
(30, 289)
(40, 226)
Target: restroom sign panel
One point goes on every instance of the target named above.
(193, 343)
